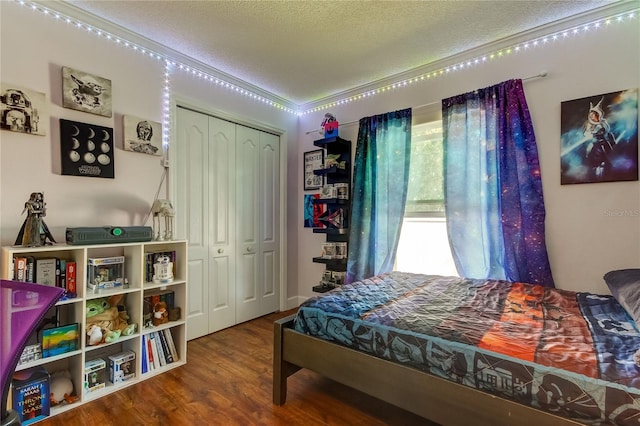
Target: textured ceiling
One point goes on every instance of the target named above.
(303, 51)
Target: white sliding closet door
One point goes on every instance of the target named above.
(229, 178)
(258, 180)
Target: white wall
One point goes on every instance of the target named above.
(583, 239)
(33, 49)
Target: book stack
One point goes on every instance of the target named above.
(158, 350)
(48, 271)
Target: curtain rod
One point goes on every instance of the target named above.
(542, 74)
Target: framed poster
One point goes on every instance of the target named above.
(313, 160)
(86, 92)
(144, 136)
(599, 140)
(23, 110)
(313, 211)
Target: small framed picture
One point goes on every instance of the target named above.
(141, 135)
(599, 138)
(60, 340)
(23, 110)
(86, 92)
(313, 160)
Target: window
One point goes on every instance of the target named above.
(424, 245)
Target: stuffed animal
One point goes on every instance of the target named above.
(94, 332)
(160, 313)
(61, 388)
(110, 316)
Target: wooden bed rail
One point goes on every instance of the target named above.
(431, 397)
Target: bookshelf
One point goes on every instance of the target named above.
(135, 292)
(340, 148)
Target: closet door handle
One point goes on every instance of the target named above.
(220, 250)
(249, 250)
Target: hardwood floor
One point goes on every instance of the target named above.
(227, 381)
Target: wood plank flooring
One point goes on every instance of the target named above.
(227, 381)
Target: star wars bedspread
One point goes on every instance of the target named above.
(568, 353)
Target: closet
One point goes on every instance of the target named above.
(228, 197)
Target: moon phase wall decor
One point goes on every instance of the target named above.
(86, 149)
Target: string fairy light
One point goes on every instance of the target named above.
(171, 65)
(483, 59)
(166, 105)
(168, 63)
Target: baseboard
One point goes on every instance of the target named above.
(294, 302)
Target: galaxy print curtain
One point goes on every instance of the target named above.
(380, 176)
(493, 191)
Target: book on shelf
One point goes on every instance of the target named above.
(31, 394)
(31, 269)
(46, 271)
(58, 276)
(171, 344)
(62, 272)
(168, 358)
(154, 363)
(157, 350)
(160, 350)
(20, 269)
(70, 278)
(144, 358)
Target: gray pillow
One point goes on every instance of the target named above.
(624, 285)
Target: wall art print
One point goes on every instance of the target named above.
(313, 160)
(86, 149)
(313, 211)
(142, 135)
(23, 110)
(60, 340)
(599, 141)
(86, 92)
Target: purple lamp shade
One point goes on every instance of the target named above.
(22, 307)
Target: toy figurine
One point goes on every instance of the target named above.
(162, 209)
(160, 314)
(163, 270)
(110, 316)
(61, 387)
(330, 125)
(34, 232)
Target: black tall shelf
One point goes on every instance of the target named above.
(342, 147)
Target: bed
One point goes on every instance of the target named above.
(462, 351)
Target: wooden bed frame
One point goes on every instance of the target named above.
(431, 397)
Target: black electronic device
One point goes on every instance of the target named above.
(108, 235)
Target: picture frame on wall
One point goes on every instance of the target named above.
(86, 149)
(143, 136)
(599, 138)
(23, 110)
(313, 160)
(86, 92)
(313, 211)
